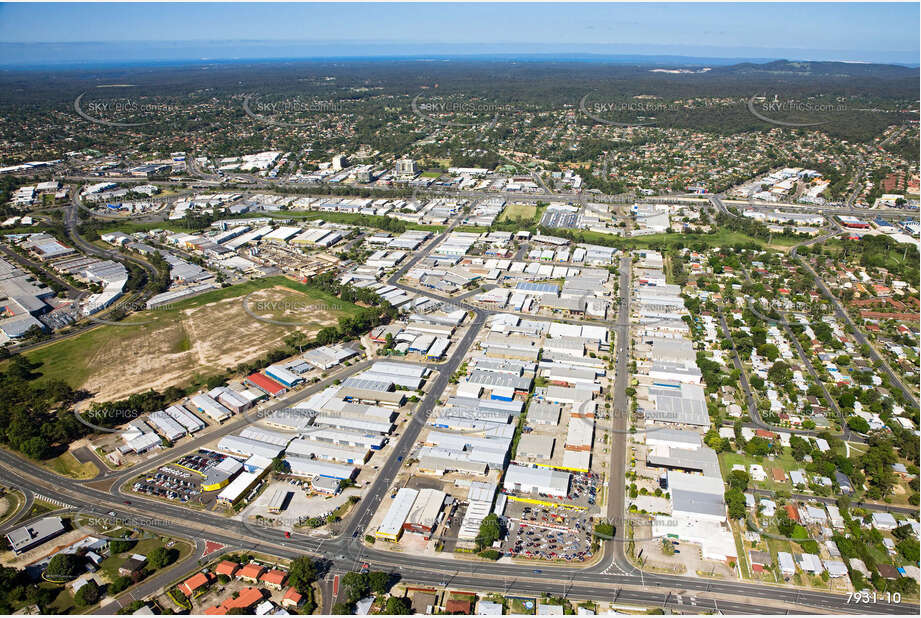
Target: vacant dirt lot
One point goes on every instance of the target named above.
(170, 347)
(199, 340)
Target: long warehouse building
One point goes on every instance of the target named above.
(391, 526)
(301, 466)
(209, 406)
(248, 447)
(185, 418)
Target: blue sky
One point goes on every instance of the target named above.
(844, 31)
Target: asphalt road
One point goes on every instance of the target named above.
(614, 550)
(843, 315)
(343, 552)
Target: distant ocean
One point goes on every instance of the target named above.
(83, 56)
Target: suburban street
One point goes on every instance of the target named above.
(612, 577)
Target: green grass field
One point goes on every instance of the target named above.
(67, 465)
(514, 212)
(10, 503)
(129, 227)
(785, 461)
(721, 238)
(171, 345)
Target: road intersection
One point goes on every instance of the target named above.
(612, 578)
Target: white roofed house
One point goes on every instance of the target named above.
(884, 521)
(834, 517)
(809, 563)
(813, 515)
(786, 564)
(835, 568)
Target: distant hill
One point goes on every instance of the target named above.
(817, 69)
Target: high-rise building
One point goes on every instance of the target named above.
(340, 162)
(406, 167)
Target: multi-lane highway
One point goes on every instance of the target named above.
(612, 578)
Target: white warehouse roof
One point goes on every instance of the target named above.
(247, 446)
(302, 466)
(396, 516)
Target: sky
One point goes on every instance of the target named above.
(830, 31)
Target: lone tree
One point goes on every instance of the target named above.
(490, 531)
(356, 585)
(161, 557)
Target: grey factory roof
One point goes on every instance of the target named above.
(675, 350)
(266, 435)
(357, 424)
(513, 342)
(703, 460)
(367, 384)
(247, 446)
(565, 303)
(544, 413)
(536, 446)
(686, 371)
(37, 532)
(324, 450)
(328, 356)
(683, 405)
(538, 288)
(291, 419)
(392, 397)
(545, 480)
(493, 379)
(693, 493)
(674, 437)
(512, 407)
(500, 365)
(462, 442)
(697, 502)
(344, 436)
(441, 463)
(571, 374)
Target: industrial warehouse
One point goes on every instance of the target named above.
(320, 444)
(543, 379)
(670, 398)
